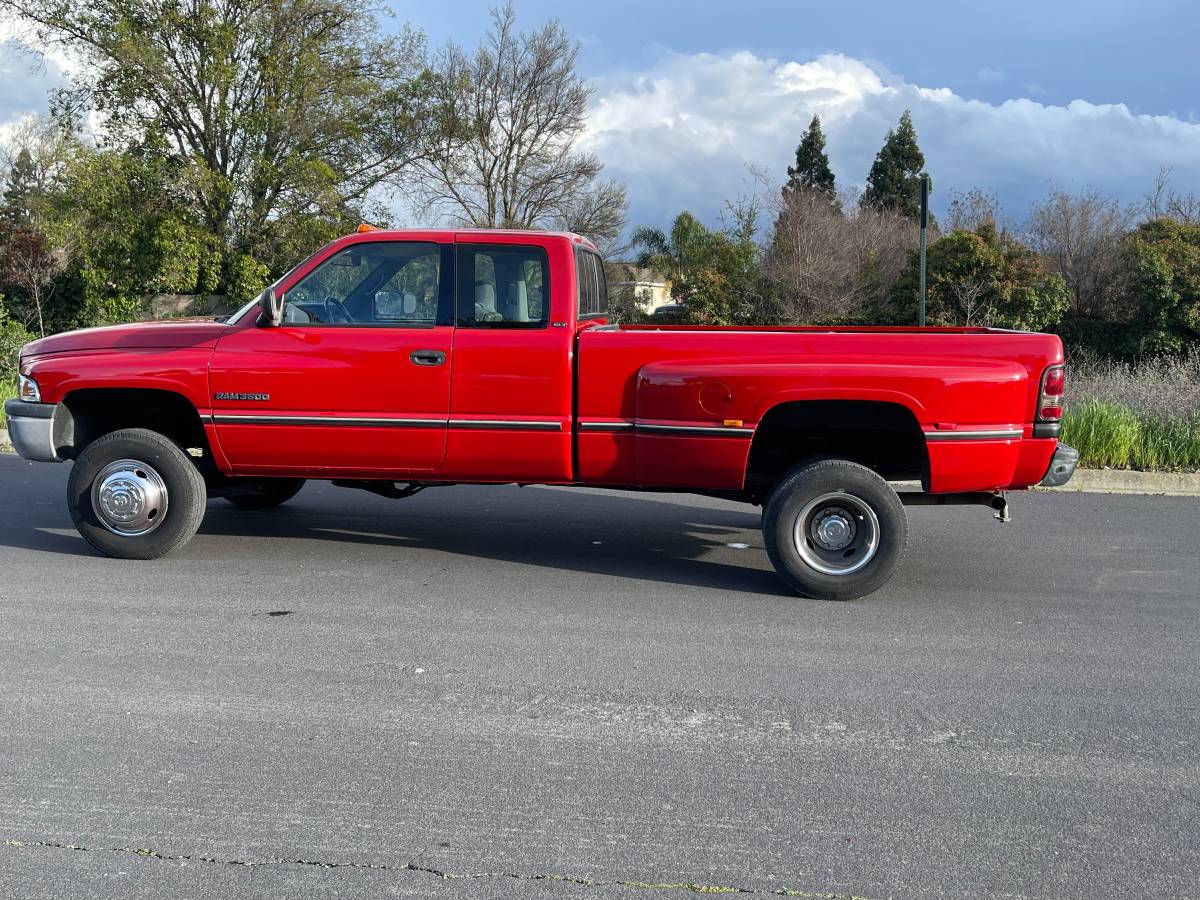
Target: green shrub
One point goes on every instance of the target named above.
(12, 337)
(1096, 339)
(247, 277)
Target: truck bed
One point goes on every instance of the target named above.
(673, 405)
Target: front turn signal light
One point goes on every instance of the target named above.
(29, 391)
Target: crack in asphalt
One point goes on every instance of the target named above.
(692, 887)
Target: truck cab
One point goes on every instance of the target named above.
(405, 354)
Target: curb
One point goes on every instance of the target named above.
(1086, 481)
(1121, 481)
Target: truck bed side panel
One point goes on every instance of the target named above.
(680, 407)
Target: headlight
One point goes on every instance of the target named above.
(29, 391)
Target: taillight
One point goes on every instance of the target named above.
(1050, 401)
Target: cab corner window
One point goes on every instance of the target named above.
(503, 286)
(396, 283)
(593, 285)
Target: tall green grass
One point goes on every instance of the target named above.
(7, 392)
(1144, 415)
(1112, 435)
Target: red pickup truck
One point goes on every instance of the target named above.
(392, 361)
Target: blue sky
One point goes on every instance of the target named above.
(1012, 98)
(1142, 53)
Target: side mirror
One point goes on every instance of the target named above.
(270, 308)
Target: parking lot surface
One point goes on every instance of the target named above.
(538, 692)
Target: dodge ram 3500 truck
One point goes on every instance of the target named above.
(392, 361)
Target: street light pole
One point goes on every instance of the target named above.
(924, 226)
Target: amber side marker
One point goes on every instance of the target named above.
(733, 423)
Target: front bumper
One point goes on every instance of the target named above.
(1062, 466)
(31, 429)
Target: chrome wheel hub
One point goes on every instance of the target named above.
(129, 498)
(836, 533)
(834, 528)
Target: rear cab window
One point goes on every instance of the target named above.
(593, 284)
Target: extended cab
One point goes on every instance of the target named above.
(392, 361)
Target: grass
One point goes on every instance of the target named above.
(1109, 435)
(7, 392)
(1141, 416)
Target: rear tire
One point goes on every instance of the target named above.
(834, 530)
(134, 494)
(272, 492)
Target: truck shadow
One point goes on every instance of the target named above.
(643, 537)
(621, 535)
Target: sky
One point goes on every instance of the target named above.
(692, 97)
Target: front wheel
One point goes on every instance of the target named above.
(134, 494)
(834, 530)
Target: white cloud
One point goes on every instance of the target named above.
(990, 74)
(682, 133)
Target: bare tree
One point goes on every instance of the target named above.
(1163, 203)
(516, 109)
(29, 263)
(973, 300)
(1082, 237)
(824, 266)
(600, 213)
(976, 210)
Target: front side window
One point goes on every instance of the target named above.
(503, 286)
(395, 283)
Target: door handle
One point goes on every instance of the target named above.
(427, 357)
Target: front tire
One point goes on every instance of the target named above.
(134, 494)
(834, 530)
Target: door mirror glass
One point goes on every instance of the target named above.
(394, 305)
(270, 309)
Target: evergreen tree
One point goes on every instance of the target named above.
(21, 191)
(894, 182)
(812, 165)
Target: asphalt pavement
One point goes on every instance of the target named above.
(545, 693)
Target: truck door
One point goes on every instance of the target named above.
(510, 408)
(357, 378)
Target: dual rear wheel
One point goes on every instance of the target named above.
(834, 529)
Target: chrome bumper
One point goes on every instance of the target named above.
(1062, 466)
(31, 429)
